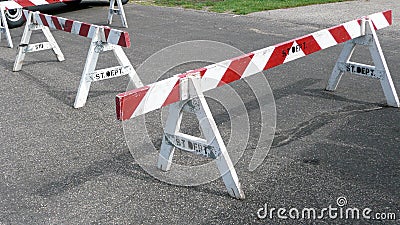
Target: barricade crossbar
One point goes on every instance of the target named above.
(9, 5)
(154, 96)
(25, 3)
(112, 36)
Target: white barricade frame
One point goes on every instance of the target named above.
(24, 46)
(4, 27)
(102, 41)
(379, 70)
(90, 74)
(191, 87)
(193, 101)
(10, 5)
(119, 10)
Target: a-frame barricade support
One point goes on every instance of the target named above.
(379, 70)
(154, 96)
(90, 74)
(117, 10)
(212, 146)
(4, 27)
(103, 39)
(25, 47)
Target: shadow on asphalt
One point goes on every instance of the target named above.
(59, 8)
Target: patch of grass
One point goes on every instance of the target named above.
(240, 6)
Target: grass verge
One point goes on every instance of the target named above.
(239, 6)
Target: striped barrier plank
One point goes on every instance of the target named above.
(112, 36)
(26, 3)
(19, 4)
(154, 96)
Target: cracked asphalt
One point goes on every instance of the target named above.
(61, 165)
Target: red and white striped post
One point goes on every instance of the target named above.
(174, 90)
(103, 39)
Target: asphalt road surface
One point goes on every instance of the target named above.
(60, 165)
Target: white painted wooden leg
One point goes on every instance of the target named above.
(380, 63)
(213, 136)
(124, 61)
(55, 47)
(172, 126)
(224, 162)
(84, 85)
(337, 73)
(111, 12)
(26, 36)
(5, 27)
(121, 13)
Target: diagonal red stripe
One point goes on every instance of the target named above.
(373, 24)
(202, 71)
(124, 40)
(388, 16)
(236, 69)
(84, 30)
(309, 44)
(68, 25)
(25, 3)
(127, 102)
(43, 19)
(56, 23)
(174, 95)
(25, 14)
(340, 34)
(107, 31)
(278, 56)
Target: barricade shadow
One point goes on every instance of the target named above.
(308, 127)
(59, 8)
(296, 88)
(303, 129)
(65, 97)
(368, 157)
(122, 164)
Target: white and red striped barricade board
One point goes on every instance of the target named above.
(19, 4)
(117, 10)
(175, 90)
(27, 3)
(4, 27)
(103, 39)
(10, 5)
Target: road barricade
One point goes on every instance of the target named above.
(184, 92)
(103, 39)
(9, 5)
(119, 10)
